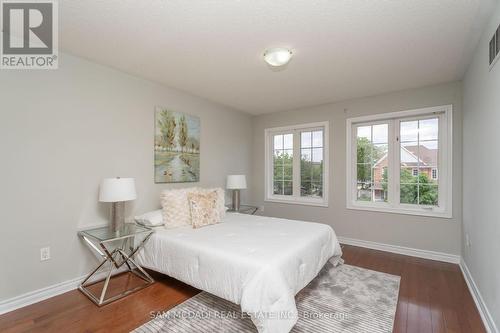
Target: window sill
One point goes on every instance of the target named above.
(317, 203)
(403, 211)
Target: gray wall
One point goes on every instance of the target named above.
(481, 164)
(426, 233)
(62, 131)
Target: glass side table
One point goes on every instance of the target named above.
(117, 248)
(244, 209)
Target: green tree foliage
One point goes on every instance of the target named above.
(367, 155)
(413, 190)
(167, 124)
(283, 173)
(183, 133)
(364, 149)
(283, 166)
(311, 174)
(418, 189)
(411, 185)
(193, 144)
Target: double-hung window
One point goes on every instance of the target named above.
(394, 160)
(296, 164)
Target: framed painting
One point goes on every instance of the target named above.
(177, 147)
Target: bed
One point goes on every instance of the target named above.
(258, 262)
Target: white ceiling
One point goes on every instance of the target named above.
(342, 48)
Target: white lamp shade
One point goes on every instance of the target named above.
(236, 182)
(117, 189)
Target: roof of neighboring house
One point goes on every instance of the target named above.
(428, 157)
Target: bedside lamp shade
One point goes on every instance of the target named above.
(236, 182)
(117, 190)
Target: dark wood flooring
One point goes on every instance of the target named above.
(433, 298)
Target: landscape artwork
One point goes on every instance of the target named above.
(177, 147)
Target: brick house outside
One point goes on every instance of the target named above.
(426, 164)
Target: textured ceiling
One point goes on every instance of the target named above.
(342, 48)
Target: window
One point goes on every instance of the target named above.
(394, 162)
(297, 164)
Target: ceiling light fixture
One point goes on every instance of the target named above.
(277, 56)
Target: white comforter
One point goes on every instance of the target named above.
(258, 262)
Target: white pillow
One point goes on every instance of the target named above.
(175, 205)
(151, 219)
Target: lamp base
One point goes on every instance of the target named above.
(117, 215)
(236, 200)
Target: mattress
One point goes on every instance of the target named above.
(258, 262)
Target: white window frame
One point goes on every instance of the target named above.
(445, 162)
(268, 164)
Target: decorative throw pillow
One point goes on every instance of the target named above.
(221, 204)
(176, 212)
(204, 209)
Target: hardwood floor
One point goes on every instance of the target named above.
(433, 298)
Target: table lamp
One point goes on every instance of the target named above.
(236, 183)
(117, 190)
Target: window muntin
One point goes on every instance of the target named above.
(418, 151)
(297, 164)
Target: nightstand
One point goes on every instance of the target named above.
(245, 209)
(117, 248)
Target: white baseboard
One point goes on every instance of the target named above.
(39, 295)
(408, 251)
(478, 299)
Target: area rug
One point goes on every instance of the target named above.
(343, 299)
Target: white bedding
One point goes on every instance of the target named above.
(258, 262)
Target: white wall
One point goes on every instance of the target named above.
(61, 132)
(435, 234)
(481, 162)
